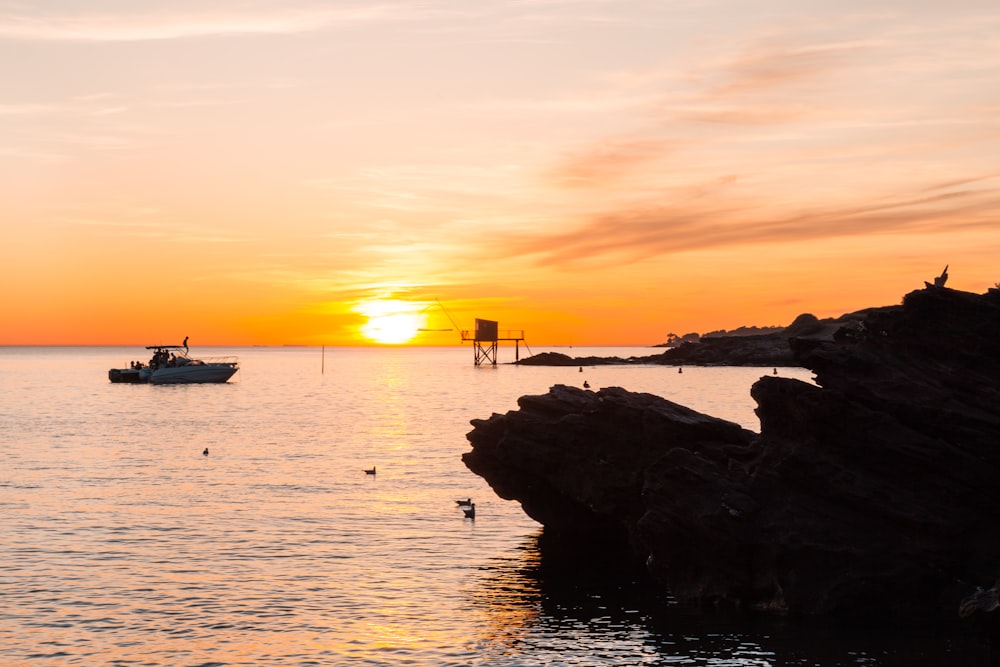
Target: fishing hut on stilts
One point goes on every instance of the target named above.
(485, 340)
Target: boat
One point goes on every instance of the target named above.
(171, 364)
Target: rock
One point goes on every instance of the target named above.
(873, 493)
(559, 359)
(763, 350)
(770, 349)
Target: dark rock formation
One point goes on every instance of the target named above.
(875, 492)
(559, 359)
(763, 350)
(743, 349)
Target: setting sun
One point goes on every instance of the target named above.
(391, 322)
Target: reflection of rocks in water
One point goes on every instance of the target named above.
(547, 604)
(573, 575)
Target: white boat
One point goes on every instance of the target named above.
(171, 364)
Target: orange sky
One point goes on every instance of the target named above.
(589, 171)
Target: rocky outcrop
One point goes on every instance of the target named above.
(764, 350)
(874, 492)
(559, 359)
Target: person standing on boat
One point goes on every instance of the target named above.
(185, 344)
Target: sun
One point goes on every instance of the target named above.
(391, 322)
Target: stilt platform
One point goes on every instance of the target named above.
(486, 338)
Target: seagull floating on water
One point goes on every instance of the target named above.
(205, 453)
(586, 385)
(470, 511)
(370, 471)
(464, 503)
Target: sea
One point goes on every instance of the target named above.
(123, 543)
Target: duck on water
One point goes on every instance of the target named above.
(171, 364)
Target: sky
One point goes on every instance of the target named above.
(587, 172)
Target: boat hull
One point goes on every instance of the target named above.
(194, 374)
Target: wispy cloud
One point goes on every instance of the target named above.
(446, 190)
(140, 25)
(770, 112)
(645, 232)
(139, 222)
(603, 164)
(27, 109)
(771, 65)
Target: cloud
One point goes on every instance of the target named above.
(795, 117)
(645, 232)
(177, 24)
(26, 109)
(604, 163)
(771, 65)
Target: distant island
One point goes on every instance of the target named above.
(673, 340)
(746, 346)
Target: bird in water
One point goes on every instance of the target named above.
(464, 503)
(205, 453)
(470, 511)
(370, 471)
(586, 385)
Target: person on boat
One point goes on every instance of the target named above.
(185, 344)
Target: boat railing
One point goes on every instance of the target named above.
(220, 360)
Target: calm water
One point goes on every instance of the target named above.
(121, 544)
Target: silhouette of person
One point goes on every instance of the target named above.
(185, 343)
